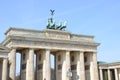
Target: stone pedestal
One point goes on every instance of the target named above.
(12, 58)
(5, 70)
(30, 65)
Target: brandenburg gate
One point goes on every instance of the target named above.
(75, 56)
(72, 52)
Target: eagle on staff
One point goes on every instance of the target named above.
(52, 12)
(51, 24)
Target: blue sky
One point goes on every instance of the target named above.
(100, 18)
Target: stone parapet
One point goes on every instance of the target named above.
(49, 34)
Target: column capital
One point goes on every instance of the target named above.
(101, 68)
(67, 50)
(47, 49)
(5, 58)
(95, 52)
(13, 48)
(31, 48)
(81, 51)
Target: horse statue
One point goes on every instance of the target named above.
(51, 24)
(64, 26)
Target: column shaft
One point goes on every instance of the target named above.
(81, 66)
(46, 66)
(30, 65)
(66, 65)
(78, 68)
(48, 71)
(64, 71)
(116, 74)
(5, 70)
(67, 60)
(94, 67)
(101, 74)
(109, 76)
(12, 69)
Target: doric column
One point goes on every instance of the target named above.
(81, 66)
(5, 70)
(116, 74)
(101, 74)
(109, 76)
(67, 60)
(30, 65)
(12, 63)
(48, 71)
(66, 65)
(46, 65)
(55, 66)
(94, 67)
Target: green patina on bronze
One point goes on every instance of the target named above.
(51, 24)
